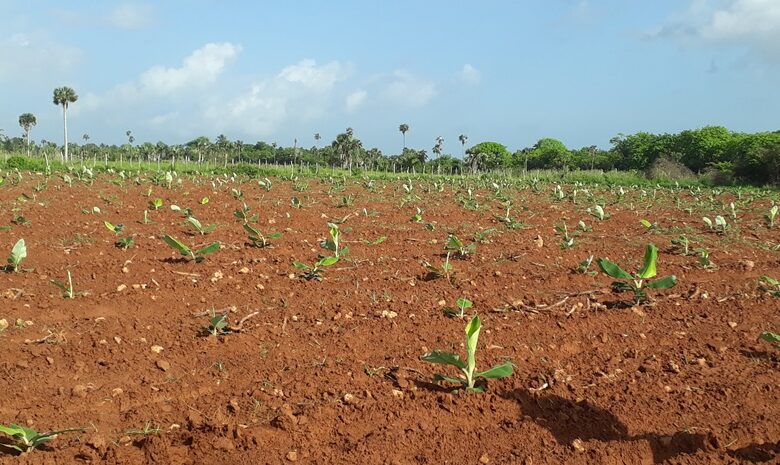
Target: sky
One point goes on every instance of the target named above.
(511, 71)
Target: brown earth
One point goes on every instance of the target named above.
(330, 371)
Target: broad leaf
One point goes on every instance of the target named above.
(439, 377)
(183, 249)
(444, 358)
(499, 371)
(472, 337)
(211, 248)
(651, 257)
(327, 261)
(18, 253)
(613, 270)
(663, 283)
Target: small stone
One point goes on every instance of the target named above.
(121, 287)
(292, 456)
(3, 325)
(50, 360)
(117, 392)
(125, 269)
(442, 303)
(79, 390)
(259, 286)
(244, 270)
(484, 459)
(136, 286)
(732, 324)
(291, 275)
(117, 339)
(349, 399)
(157, 349)
(389, 314)
(578, 445)
(397, 393)
(163, 365)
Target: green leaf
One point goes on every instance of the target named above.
(613, 270)
(327, 261)
(195, 223)
(450, 379)
(444, 358)
(646, 224)
(110, 226)
(183, 249)
(651, 257)
(472, 337)
(663, 283)
(464, 303)
(211, 248)
(499, 371)
(301, 266)
(18, 253)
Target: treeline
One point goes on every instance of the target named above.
(727, 156)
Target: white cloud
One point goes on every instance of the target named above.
(470, 75)
(355, 100)
(299, 92)
(753, 25)
(409, 90)
(131, 16)
(202, 67)
(35, 54)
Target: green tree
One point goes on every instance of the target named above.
(700, 148)
(65, 96)
(487, 155)
(549, 153)
(27, 121)
(439, 147)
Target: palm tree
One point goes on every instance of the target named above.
(437, 149)
(403, 128)
(463, 138)
(65, 96)
(27, 121)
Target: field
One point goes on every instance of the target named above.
(330, 370)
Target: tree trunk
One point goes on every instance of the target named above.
(65, 129)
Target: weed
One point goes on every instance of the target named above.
(769, 285)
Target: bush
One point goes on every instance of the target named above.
(666, 169)
(25, 164)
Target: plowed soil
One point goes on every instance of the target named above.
(329, 371)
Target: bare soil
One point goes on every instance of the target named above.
(330, 371)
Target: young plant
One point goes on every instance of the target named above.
(156, 204)
(125, 242)
(584, 267)
(67, 289)
(27, 439)
(683, 243)
(770, 217)
(217, 324)
(257, 238)
(197, 226)
(703, 256)
(567, 241)
(639, 281)
(418, 216)
(463, 304)
(468, 374)
(458, 248)
(333, 244)
(769, 285)
(445, 271)
(315, 271)
(114, 228)
(771, 338)
(196, 255)
(598, 212)
(243, 214)
(720, 225)
(18, 253)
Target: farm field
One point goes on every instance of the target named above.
(330, 371)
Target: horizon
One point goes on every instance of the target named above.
(575, 70)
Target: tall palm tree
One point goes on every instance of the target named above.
(65, 96)
(437, 149)
(403, 128)
(463, 138)
(27, 121)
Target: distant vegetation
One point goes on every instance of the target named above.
(712, 154)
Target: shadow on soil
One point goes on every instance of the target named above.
(568, 420)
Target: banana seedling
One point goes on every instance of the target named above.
(218, 324)
(197, 226)
(243, 214)
(114, 228)
(638, 282)
(771, 338)
(584, 267)
(719, 226)
(18, 253)
(333, 244)
(598, 212)
(769, 285)
(770, 217)
(445, 271)
(156, 204)
(456, 247)
(259, 239)
(27, 439)
(315, 271)
(196, 255)
(682, 243)
(704, 258)
(67, 289)
(468, 374)
(463, 304)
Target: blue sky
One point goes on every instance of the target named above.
(512, 71)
